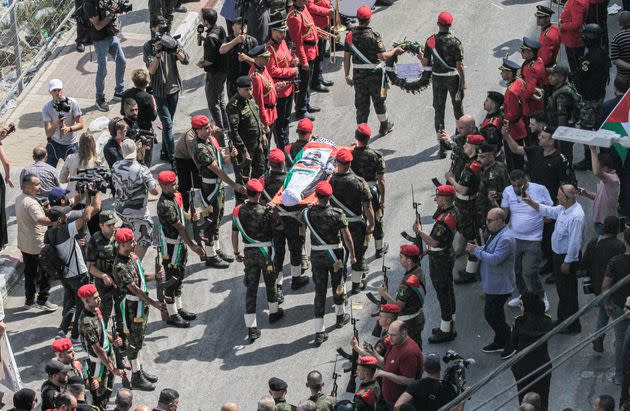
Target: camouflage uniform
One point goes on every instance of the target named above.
(367, 81)
(366, 396)
(564, 101)
(441, 260)
(349, 193)
(283, 405)
(102, 252)
(246, 129)
(323, 401)
(445, 79)
(493, 178)
(412, 292)
(173, 250)
(92, 330)
(369, 164)
(459, 159)
(129, 270)
(212, 194)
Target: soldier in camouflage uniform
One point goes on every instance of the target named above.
(444, 53)
(466, 190)
(304, 129)
(247, 130)
(98, 345)
(131, 280)
(278, 390)
(352, 195)
(254, 222)
(369, 391)
(209, 158)
(173, 241)
(369, 164)
(364, 48)
(563, 105)
(286, 222)
(315, 383)
(65, 354)
(494, 178)
(441, 260)
(327, 255)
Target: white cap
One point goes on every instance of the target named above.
(55, 84)
(128, 149)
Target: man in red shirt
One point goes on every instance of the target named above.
(322, 11)
(572, 19)
(513, 109)
(402, 364)
(549, 36)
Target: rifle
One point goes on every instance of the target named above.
(333, 392)
(378, 330)
(198, 227)
(352, 383)
(159, 286)
(119, 355)
(415, 205)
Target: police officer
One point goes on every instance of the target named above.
(131, 280)
(278, 390)
(411, 292)
(247, 130)
(352, 195)
(369, 390)
(369, 164)
(513, 98)
(490, 127)
(325, 224)
(494, 178)
(254, 222)
(263, 87)
(591, 78)
(466, 190)
(272, 182)
(304, 129)
(173, 241)
(441, 261)
(448, 71)
(365, 49)
(534, 74)
(209, 158)
(563, 104)
(98, 345)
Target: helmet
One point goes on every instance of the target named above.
(592, 31)
(344, 405)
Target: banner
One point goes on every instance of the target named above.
(9, 373)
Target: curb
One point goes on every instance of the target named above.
(11, 269)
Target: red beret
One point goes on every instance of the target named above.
(199, 121)
(364, 13)
(86, 291)
(390, 308)
(276, 156)
(61, 344)
(410, 250)
(323, 188)
(167, 177)
(124, 235)
(476, 139)
(445, 18)
(305, 125)
(445, 190)
(255, 185)
(344, 156)
(363, 129)
(368, 360)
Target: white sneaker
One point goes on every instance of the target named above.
(47, 306)
(515, 302)
(546, 301)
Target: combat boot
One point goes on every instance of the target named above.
(386, 127)
(253, 334)
(298, 282)
(150, 377)
(224, 257)
(139, 382)
(356, 288)
(440, 336)
(188, 316)
(342, 320)
(216, 262)
(275, 317)
(177, 321)
(320, 338)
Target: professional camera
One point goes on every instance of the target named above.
(62, 106)
(146, 137)
(455, 373)
(92, 180)
(117, 6)
(164, 42)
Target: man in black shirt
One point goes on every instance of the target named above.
(147, 110)
(117, 132)
(428, 393)
(240, 42)
(55, 384)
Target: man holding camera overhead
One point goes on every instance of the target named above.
(161, 55)
(62, 117)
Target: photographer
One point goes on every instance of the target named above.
(144, 138)
(428, 393)
(62, 117)
(147, 108)
(161, 55)
(103, 34)
(83, 26)
(118, 132)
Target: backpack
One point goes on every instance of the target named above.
(50, 262)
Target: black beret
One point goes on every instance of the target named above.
(260, 50)
(244, 81)
(496, 97)
(486, 148)
(276, 384)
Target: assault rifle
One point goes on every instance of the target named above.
(353, 358)
(119, 355)
(378, 330)
(333, 392)
(198, 227)
(159, 285)
(415, 205)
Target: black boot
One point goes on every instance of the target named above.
(176, 321)
(216, 262)
(320, 338)
(275, 317)
(342, 320)
(356, 288)
(139, 382)
(150, 377)
(465, 278)
(253, 333)
(298, 282)
(186, 315)
(279, 293)
(225, 257)
(378, 253)
(386, 127)
(441, 337)
(327, 83)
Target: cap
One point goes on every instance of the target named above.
(57, 193)
(476, 139)
(86, 291)
(611, 225)
(344, 156)
(244, 81)
(559, 70)
(486, 148)
(124, 235)
(305, 125)
(128, 148)
(76, 380)
(363, 130)
(530, 44)
(55, 366)
(255, 185)
(368, 361)
(279, 25)
(55, 84)
(432, 362)
(323, 188)
(592, 31)
(61, 344)
(509, 65)
(107, 217)
(445, 190)
(390, 308)
(276, 156)
(543, 11)
(496, 97)
(57, 212)
(167, 177)
(445, 18)
(409, 250)
(276, 384)
(364, 13)
(259, 51)
(199, 121)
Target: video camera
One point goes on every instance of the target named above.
(165, 42)
(455, 374)
(62, 106)
(116, 6)
(146, 137)
(92, 180)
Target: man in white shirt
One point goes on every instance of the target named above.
(527, 226)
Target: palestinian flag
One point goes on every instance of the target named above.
(618, 121)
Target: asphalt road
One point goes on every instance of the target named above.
(212, 362)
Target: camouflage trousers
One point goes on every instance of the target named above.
(441, 272)
(162, 8)
(288, 237)
(137, 327)
(357, 231)
(322, 267)
(255, 264)
(378, 214)
(105, 379)
(175, 268)
(366, 88)
(589, 113)
(217, 206)
(443, 86)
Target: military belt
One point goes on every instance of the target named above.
(409, 316)
(447, 74)
(133, 298)
(372, 67)
(206, 180)
(324, 247)
(436, 248)
(355, 219)
(177, 240)
(270, 105)
(261, 244)
(465, 197)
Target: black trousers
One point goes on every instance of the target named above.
(598, 14)
(83, 30)
(547, 252)
(494, 312)
(33, 279)
(441, 272)
(284, 105)
(317, 63)
(573, 56)
(72, 305)
(567, 289)
(625, 385)
(187, 176)
(304, 93)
